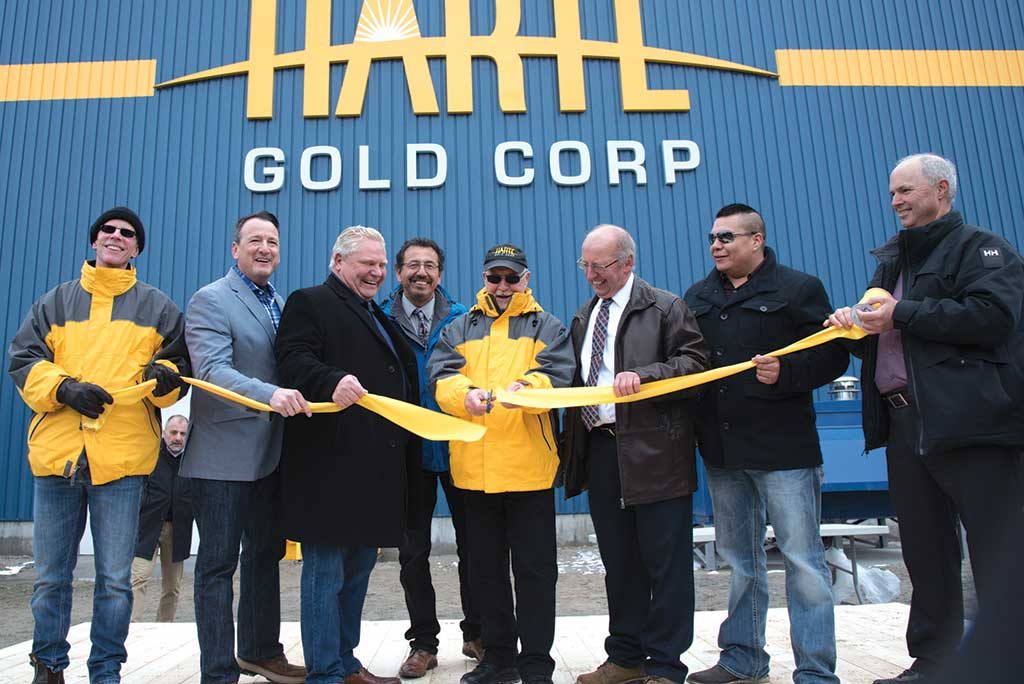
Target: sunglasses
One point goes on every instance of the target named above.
(110, 230)
(725, 236)
(511, 279)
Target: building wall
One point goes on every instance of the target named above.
(813, 158)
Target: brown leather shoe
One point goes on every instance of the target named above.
(610, 673)
(474, 649)
(417, 664)
(43, 674)
(364, 676)
(277, 670)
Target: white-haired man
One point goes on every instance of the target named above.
(347, 477)
(943, 391)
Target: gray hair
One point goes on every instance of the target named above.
(349, 240)
(623, 240)
(935, 169)
(176, 416)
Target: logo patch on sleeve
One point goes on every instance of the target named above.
(992, 257)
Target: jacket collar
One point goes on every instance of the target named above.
(641, 297)
(393, 308)
(766, 279)
(915, 244)
(255, 307)
(109, 282)
(522, 303)
(356, 304)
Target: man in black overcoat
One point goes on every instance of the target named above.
(165, 524)
(346, 476)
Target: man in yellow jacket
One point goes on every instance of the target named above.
(507, 341)
(80, 343)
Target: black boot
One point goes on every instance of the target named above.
(44, 675)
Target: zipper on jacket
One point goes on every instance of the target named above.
(912, 383)
(540, 419)
(42, 417)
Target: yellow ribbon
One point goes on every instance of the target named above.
(591, 396)
(441, 427)
(417, 420)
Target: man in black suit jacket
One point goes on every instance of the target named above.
(345, 476)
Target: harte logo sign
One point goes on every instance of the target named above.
(389, 30)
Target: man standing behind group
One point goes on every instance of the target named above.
(350, 478)
(637, 460)
(943, 392)
(507, 341)
(758, 437)
(165, 521)
(233, 457)
(422, 308)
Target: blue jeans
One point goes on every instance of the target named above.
(792, 501)
(334, 583)
(59, 512)
(228, 513)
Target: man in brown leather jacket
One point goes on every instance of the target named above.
(637, 460)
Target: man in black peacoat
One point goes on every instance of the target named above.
(345, 476)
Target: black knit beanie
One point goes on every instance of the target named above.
(125, 214)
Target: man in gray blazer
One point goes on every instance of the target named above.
(233, 456)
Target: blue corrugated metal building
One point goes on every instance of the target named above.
(850, 88)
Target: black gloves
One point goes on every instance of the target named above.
(84, 397)
(166, 379)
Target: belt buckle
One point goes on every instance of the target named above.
(608, 428)
(897, 400)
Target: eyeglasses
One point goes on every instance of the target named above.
(726, 237)
(110, 230)
(428, 266)
(511, 279)
(596, 268)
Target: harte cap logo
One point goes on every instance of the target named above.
(389, 30)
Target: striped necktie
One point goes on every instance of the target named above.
(590, 415)
(422, 327)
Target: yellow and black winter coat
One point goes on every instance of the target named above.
(490, 349)
(103, 328)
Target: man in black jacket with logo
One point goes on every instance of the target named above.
(944, 392)
(165, 520)
(759, 441)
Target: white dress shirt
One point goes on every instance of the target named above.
(606, 375)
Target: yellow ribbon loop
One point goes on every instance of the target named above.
(590, 396)
(417, 420)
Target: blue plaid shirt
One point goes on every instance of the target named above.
(265, 295)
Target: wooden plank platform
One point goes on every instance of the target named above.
(870, 641)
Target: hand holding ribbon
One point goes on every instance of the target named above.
(587, 396)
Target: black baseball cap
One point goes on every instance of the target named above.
(505, 256)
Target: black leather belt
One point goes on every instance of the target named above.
(897, 400)
(606, 430)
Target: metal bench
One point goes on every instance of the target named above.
(704, 538)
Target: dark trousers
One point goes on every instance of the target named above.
(228, 513)
(647, 551)
(414, 556)
(982, 486)
(520, 524)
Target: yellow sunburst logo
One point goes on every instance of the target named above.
(382, 20)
